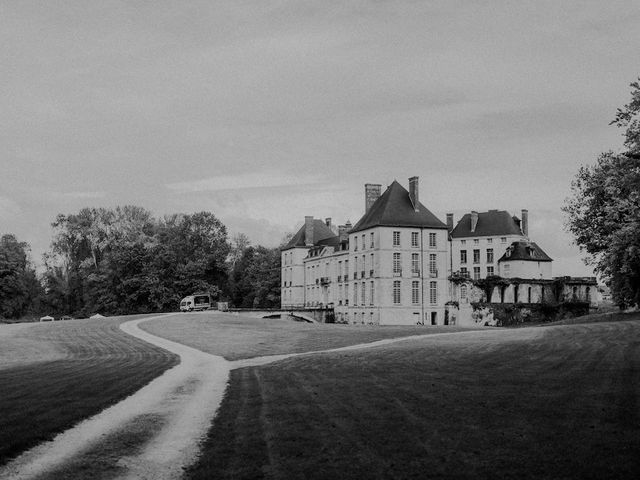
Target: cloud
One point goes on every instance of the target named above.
(242, 182)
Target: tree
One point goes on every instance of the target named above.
(19, 287)
(604, 210)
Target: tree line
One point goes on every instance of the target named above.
(124, 261)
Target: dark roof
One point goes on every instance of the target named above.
(491, 223)
(321, 233)
(528, 251)
(394, 209)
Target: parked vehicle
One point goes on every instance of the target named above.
(195, 302)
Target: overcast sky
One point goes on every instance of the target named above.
(263, 112)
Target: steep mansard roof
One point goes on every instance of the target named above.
(321, 233)
(491, 223)
(528, 251)
(394, 209)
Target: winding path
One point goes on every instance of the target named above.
(155, 433)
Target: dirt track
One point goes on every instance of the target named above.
(152, 434)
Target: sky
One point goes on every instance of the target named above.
(263, 112)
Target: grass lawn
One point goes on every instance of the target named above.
(53, 375)
(235, 337)
(552, 402)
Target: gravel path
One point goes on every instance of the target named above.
(121, 441)
(156, 432)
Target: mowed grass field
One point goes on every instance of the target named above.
(53, 375)
(236, 337)
(548, 402)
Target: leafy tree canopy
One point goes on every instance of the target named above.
(603, 211)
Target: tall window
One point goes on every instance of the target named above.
(433, 292)
(339, 270)
(364, 286)
(476, 256)
(489, 271)
(463, 242)
(415, 292)
(371, 293)
(415, 264)
(463, 256)
(371, 266)
(489, 255)
(396, 292)
(464, 272)
(346, 270)
(355, 243)
(363, 245)
(432, 240)
(397, 265)
(507, 270)
(414, 239)
(433, 269)
(463, 293)
(364, 265)
(476, 273)
(355, 294)
(371, 238)
(339, 294)
(396, 239)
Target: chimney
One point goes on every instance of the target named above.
(474, 220)
(414, 193)
(308, 231)
(342, 232)
(525, 222)
(371, 194)
(348, 226)
(450, 221)
(327, 221)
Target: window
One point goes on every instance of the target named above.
(433, 270)
(397, 265)
(355, 243)
(339, 294)
(371, 292)
(364, 286)
(355, 293)
(507, 270)
(371, 237)
(489, 271)
(396, 239)
(489, 255)
(364, 265)
(489, 241)
(414, 239)
(476, 273)
(476, 241)
(432, 240)
(476, 256)
(415, 292)
(396, 292)
(503, 239)
(415, 264)
(464, 272)
(463, 293)
(463, 256)
(346, 270)
(463, 242)
(371, 267)
(363, 245)
(433, 292)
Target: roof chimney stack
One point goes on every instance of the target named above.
(327, 221)
(450, 222)
(371, 194)
(308, 231)
(414, 193)
(525, 222)
(474, 220)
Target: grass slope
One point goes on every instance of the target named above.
(553, 402)
(235, 337)
(87, 365)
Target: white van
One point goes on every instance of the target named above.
(195, 302)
